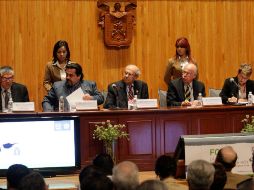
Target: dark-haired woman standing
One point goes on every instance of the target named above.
(55, 69)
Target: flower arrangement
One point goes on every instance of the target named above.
(109, 133)
(248, 124)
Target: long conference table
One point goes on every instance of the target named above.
(152, 132)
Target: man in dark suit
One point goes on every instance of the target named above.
(74, 80)
(11, 90)
(184, 91)
(228, 157)
(236, 89)
(120, 92)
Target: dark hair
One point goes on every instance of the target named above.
(33, 181)
(220, 177)
(15, 173)
(104, 162)
(227, 165)
(96, 182)
(89, 171)
(58, 45)
(78, 69)
(165, 166)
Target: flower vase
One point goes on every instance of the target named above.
(110, 148)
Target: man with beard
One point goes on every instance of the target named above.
(74, 80)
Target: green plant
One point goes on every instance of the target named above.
(248, 124)
(109, 133)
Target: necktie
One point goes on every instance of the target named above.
(188, 93)
(130, 92)
(6, 98)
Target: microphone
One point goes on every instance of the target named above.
(233, 81)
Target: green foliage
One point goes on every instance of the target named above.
(248, 124)
(109, 132)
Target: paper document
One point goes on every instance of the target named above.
(76, 96)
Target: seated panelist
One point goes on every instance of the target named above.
(11, 89)
(236, 89)
(120, 92)
(74, 80)
(184, 91)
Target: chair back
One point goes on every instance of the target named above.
(162, 98)
(214, 92)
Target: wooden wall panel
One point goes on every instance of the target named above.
(220, 34)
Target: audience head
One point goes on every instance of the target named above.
(152, 185)
(220, 177)
(125, 176)
(200, 175)
(104, 162)
(131, 73)
(244, 73)
(74, 73)
(227, 157)
(61, 51)
(182, 47)
(14, 175)
(7, 76)
(33, 181)
(165, 166)
(96, 182)
(246, 185)
(88, 171)
(189, 73)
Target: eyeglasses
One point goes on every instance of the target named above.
(6, 79)
(129, 74)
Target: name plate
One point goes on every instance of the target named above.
(86, 105)
(147, 103)
(23, 106)
(210, 101)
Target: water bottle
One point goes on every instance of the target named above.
(200, 102)
(250, 98)
(135, 102)
(61, 104)
(10, 105)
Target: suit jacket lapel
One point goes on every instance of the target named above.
(181, 89)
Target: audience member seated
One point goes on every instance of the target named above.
(97, 182)
(125, 176)
(11, 89)
(246, 185)
(33, 181)
(152, 185)
(184, 91)
(176, 63)
(15, 174)
(123, 91)
(74, 80)
(55, 69)
(236, 89)
(220, 177)
(89, 171)
(228, 157)
(200, 175)
(104, 162)
(165, 168)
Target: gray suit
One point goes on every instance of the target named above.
(175, 95)
(61, 88)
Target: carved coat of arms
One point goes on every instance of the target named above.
(116, 22)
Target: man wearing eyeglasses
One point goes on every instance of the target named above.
(124, 91)
(11, 90)
(184, 91)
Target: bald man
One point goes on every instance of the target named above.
(184, 91)
(228, 157)
(125, 176)
(120, 92)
